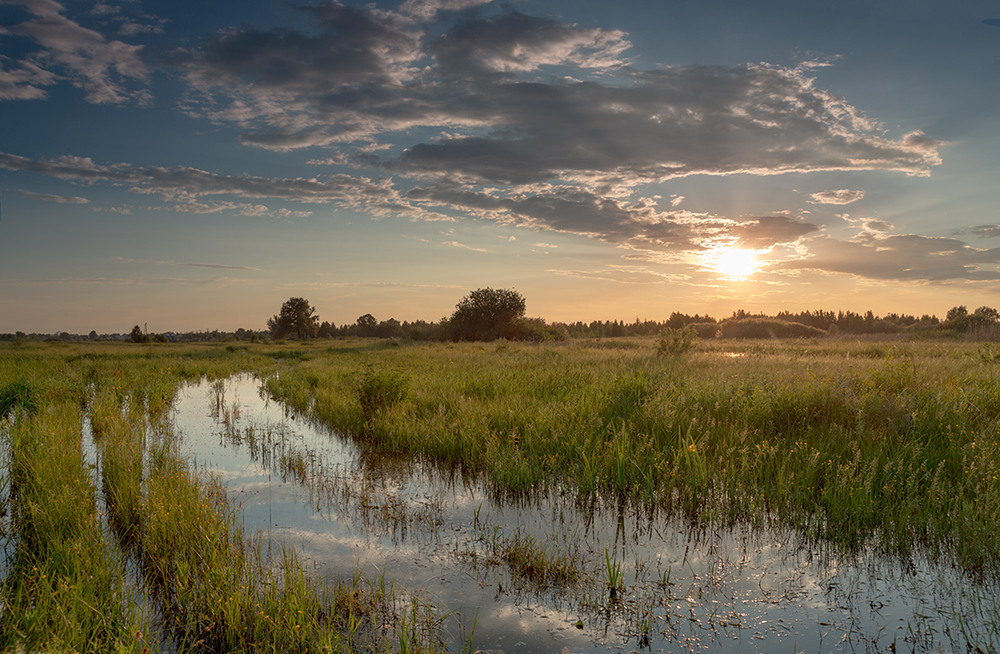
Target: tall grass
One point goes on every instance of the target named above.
(853, 443)
(64, 590)
(213, 587)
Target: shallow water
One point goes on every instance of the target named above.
(434, 534)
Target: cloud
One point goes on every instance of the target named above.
(565, 209)
(218, 266)
(339, 81)
(986, 231)
(463, 246)
(620, 274)
(767, 231)
(516, 43)
(840, 196)
(103, 68)
(184, 184)
(363, 72)
(667, 123)
(428, 8)
(874, 225)
(900, 257)
(49, 197)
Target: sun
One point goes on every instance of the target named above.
(732, 263)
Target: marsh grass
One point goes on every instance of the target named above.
(63, 590)
(212, 587)
(854, 443)
(530, 560)
(378, 389)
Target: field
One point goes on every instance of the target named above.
(885, 447)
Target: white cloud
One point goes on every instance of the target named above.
(840, 196)
(463, 246)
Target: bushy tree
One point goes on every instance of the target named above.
(487, 314)
(366, 325)
(296, 317)
(138, 336)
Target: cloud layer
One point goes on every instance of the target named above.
(446, 109)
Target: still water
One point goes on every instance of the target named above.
(440, 538)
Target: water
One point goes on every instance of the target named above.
(438, 537)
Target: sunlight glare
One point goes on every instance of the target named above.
(733, 263)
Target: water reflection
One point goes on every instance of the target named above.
(448, 539)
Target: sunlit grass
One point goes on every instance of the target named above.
(854, 444)
(213, 587)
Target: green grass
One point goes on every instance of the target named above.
(212, 587)
(853, 443)
(893, 445)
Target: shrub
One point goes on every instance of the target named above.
(767, 328)
(705, 329)
(535, 329)
(380, 389)
(676, 341)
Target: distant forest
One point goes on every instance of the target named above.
(983, 323)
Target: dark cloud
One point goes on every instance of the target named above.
(516, 43)
(905, 257)
(766, 231)
(572, 210)
(873, 225)
(364, 74)
(183, 184)
(657, 125)
(986, 231)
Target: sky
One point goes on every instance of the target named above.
(192, 165)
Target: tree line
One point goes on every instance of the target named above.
(490, 314)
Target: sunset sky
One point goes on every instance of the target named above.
(191, 165)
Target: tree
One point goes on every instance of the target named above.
(137, 335)
(366, 325)
(955, 313)
(296, 317)
(487, 314)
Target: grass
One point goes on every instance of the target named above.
(854, 444)
(201, 584)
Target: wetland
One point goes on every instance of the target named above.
(592, 496)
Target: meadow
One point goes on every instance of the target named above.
(115, 541)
